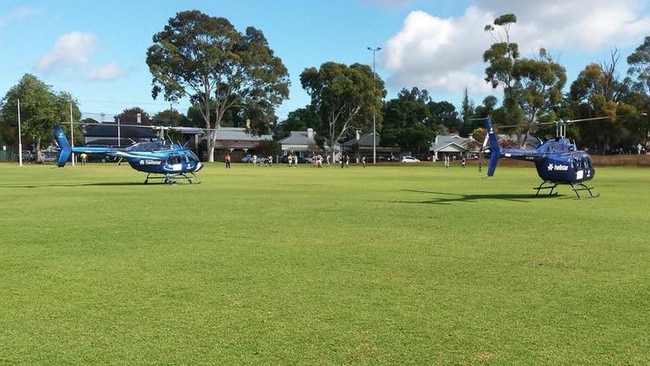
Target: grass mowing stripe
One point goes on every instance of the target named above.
(376, 265)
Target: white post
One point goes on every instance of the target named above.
(20, 139)
(71, 134)
(374, 118)
(118, 133)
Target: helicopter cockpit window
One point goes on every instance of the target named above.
(174, 159)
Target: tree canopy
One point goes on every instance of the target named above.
(206, 59)
(532, 88)
(345, 97)
(40, 109)
(133, 116)
(409, 121)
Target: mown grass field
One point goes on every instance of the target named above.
(400, 265)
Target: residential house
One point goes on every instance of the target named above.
(236, 141)
(453, 146)
(365, 145)
(301, 143)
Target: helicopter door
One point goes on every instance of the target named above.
(584, 167)
(174, 162)
(577, 164)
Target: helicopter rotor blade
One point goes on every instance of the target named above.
(485, 142)
(585, 119)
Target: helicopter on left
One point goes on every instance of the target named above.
(160, 159)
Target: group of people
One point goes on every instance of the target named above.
(256, 161)
(292, 160)
(463, 162)
(318, 161)
(345, 161)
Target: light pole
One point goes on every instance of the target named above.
(374, 119)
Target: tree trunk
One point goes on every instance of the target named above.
(39, 154)
(211, 141)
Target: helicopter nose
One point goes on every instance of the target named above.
(199, 166)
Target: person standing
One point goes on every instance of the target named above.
(84, 158)
(227, 160)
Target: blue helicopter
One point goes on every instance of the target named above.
(160, 159)
(558, 161)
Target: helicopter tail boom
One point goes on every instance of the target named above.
(64, 146)
(65, 149)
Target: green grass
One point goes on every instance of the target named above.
(402, 265)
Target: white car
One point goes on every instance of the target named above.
(409, 159)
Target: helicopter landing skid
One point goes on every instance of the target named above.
(169, 178)
(550, 186)
(582, 187)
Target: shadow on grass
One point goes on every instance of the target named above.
(447, 198)
(82, 184)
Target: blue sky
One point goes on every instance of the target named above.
(95, 50)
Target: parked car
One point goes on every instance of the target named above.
(100, 158)
(28, 156)
(49, 156)
(393, 158)
(409, 159)
(249, 159)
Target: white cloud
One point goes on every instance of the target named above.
(390, 3)
(587, 25)
(109, 71)
(72, 49)
(444, 55)
(18, 13)
(437, 54)
(71, 56)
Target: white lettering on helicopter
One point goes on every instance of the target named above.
(149, 162)
(556, 167)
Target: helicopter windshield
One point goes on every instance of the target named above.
(192, 155)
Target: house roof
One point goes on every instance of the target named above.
(452, 143)
(126, 131)
(364, 140)
(109, 141)
(239, 134)
(189, 130)
(531, 143)
(299, 138)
